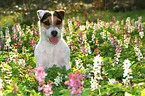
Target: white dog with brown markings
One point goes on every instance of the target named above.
(51, 48)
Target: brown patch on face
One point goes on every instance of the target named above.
(45, 26)
(59, 13)
(49, 20)
(57, 22)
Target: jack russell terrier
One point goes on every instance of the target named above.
(51, 48)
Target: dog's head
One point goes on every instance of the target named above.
(51, 21)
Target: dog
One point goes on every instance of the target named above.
(51, 48)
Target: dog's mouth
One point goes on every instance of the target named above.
(53, 40)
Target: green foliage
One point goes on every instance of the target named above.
(54, 71)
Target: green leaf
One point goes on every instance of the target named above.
(143, 92)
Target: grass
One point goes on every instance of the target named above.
(9, 19)
(107, 16)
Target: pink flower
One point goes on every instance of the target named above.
(40, 74)
(75, 83)
(39, 69)
(116, 82)
(20, 42)
(47, 90)
(15, 37)
(40, 88)
(7, 58)
(78, 24)
(33, 43)
(30, 70)
(33, 18)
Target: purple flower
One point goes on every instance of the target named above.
(20, 42)
(7, 58)
(33, 18)
(89, 75)
(86, 16)
(30, 70)
(116, 82)
(1, 43)
(118, 48)
(101, 16)
(72, 46)
(33, 43)
(113, 18)
(140, 28)
(138, 41)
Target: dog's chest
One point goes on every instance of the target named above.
(52, 54)
(52, 51)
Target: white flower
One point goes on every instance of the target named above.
(58, 79)
(125, 81)
(87, 48)
(6, 77)
(9, 81)
(98, 60)
(70, 26)
(128, 94)
(126, 42)
(95, 27)
(79, 64)
(141, 34)
(19, 27)
(21, 62)
(127, 71)
(93, 38)
(138, 53)
(103, 34)
(139, 84)
(94, 84)
(1, 83)
(128, 20)
(3, 69)
(111, 80)
(1, 35)
(97, 67)
(139, 20)
(98, 77)
(82, 27)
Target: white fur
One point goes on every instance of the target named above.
(47, 54)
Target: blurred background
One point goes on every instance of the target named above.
(24, 11)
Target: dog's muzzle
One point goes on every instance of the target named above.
(54, 33)
(54, 38)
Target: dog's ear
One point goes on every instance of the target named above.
(40, 14)
(60, 13)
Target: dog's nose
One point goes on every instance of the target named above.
(54, 33)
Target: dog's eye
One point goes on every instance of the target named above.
(58, 22)
(46, 23)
